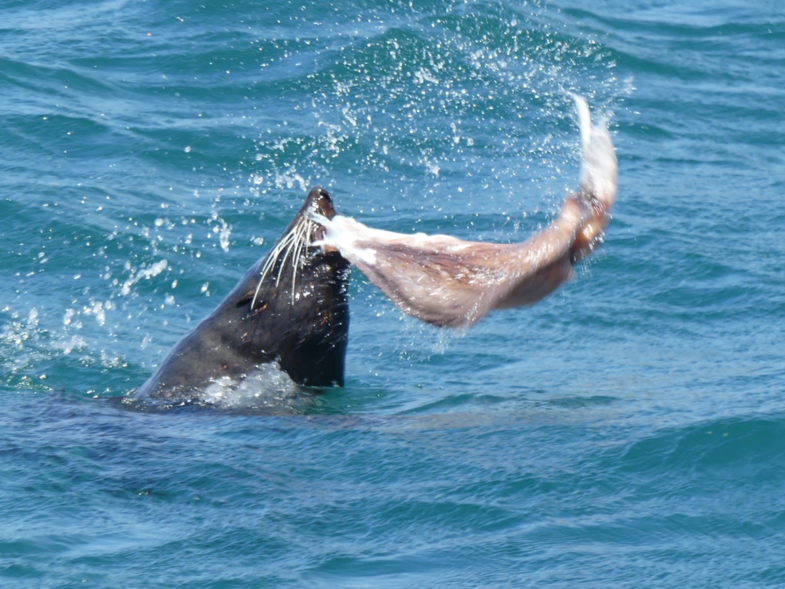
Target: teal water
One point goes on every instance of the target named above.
(629, 431)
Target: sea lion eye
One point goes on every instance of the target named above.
(244, 301)
(247, 300)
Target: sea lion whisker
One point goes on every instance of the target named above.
(297, 247)
(292, 244)
(276, 252)
(272, 257)
(304, 242)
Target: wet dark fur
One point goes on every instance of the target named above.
(303, 327)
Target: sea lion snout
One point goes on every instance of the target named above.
(320, 202)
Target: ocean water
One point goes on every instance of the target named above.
(629, 431)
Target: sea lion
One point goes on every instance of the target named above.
(454, 283)
(290, 310)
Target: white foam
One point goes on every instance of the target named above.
(266, 387)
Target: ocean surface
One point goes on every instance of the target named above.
(628, 431)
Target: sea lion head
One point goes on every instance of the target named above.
(293, 303)
(290, 310)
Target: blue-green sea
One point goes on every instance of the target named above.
(626, 432)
